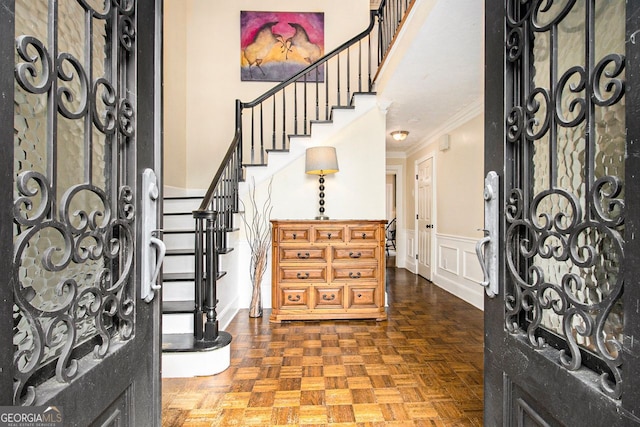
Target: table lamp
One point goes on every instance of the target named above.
(321, 161)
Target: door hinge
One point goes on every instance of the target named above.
(417, 216)
(416, 177)
(416, 256)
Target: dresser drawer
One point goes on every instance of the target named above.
(351, 273)
(329, 297)
(363, 297)
(328, 233)
(364, 233)
(355, 253)
(294, 298)
(298, 273)
(303, 254)
(294, 234)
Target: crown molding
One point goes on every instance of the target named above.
(471, 111)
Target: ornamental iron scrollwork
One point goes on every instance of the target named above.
(28, 71)
(65, 94)
(78, 238)
(565, 212)
(73, 212)
(127, 32)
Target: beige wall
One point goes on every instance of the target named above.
(210, 69)
(175, 84)
(460, 181)
(458, 184)
(355, 192)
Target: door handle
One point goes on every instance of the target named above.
(487, 247)
(480, 247)
(153, 249)
(161, 250)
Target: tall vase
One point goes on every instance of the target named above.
(255, 308)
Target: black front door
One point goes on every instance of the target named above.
(562, 133)
(79, 125)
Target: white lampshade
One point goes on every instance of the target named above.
(321, 161)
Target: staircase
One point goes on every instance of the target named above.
(184, 355)
(192, 344)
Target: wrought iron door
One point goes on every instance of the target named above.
(561, 113)
(79, 80)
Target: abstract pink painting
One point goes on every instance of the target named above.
(276, 45)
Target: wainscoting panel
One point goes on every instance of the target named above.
(471, 269)
(409, 261)
(458, 269)
(448, 259)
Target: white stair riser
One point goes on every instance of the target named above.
(177, 323)
(179, 264)
(178, 222)
(181, 205)
(178, 291)
(179, 241)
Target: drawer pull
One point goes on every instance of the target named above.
(329, 236)
(364, 235)
(359, 295)
(354, 276)
(294, 236)
(356, 255)
(294, 299)
(303, 255)
(328, 298)
(302, 276)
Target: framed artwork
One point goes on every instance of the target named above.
(276, 45)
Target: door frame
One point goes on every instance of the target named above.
(7, 36)
(401, 253)
(150, 62)
(499, 370)
(432, 257)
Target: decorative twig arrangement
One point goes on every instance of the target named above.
(258, 230)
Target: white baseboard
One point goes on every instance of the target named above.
(472, 296)
(227, 314)
(170, 191)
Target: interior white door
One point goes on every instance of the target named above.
(425, 216)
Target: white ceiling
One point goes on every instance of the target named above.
(439, 80)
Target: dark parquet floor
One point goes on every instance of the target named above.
(421, 367)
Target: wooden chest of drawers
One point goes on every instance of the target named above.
(328, 270)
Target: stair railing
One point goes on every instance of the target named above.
(392, 14)
(290, 108)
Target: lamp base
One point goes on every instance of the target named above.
(322, 217)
